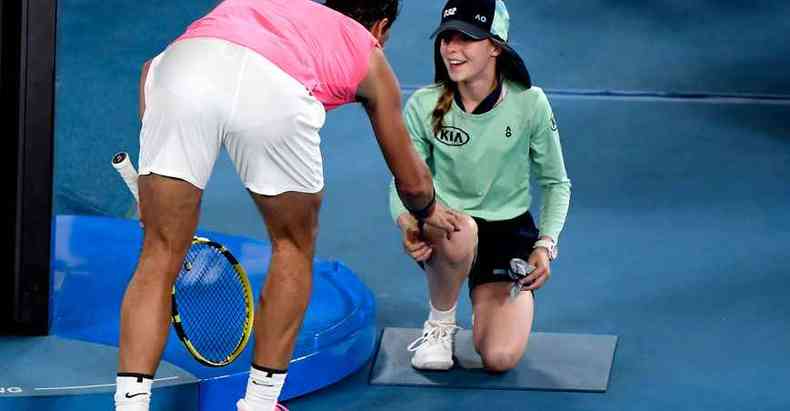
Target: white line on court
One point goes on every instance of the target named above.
(84, 387)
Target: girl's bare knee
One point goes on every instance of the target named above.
(500, 360)
(461, 247)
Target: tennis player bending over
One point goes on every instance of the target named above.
(484, 130)
(257, 77)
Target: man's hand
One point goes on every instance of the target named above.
(444, 219)
(413, 242)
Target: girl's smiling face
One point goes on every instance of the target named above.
(467, 59)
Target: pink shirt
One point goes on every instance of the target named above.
(321, 48)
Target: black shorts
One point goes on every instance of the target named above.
(497, 243)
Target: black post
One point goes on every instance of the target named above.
(28, 29)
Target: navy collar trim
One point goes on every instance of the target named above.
(487, 104)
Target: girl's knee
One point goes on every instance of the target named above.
(461, 247)
(500, 360)
(468, 228)
(499, 357)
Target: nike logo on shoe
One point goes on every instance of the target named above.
(130, 395)
(262, 384)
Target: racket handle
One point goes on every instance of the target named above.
(123, 165)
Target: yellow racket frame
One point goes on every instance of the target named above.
(248, 299)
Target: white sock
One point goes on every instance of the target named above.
(263, 388)
(447, 316)
(133, 392)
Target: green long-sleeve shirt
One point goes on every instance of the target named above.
(481, 163)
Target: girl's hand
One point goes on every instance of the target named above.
(540, 260)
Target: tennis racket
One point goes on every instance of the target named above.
(212, 309)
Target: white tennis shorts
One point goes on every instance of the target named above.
(204, 93)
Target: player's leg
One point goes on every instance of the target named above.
(274, 143)
(446, 270)
(179, 142)
(170, 209)
(292, 223)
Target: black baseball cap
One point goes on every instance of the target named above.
(482, 19)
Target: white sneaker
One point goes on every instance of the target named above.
(241, 405)
(434, 349)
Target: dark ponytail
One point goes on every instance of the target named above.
(442, 79)
(442, 106)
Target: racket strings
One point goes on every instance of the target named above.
(210, 301)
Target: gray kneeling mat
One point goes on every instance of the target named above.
(554, 362)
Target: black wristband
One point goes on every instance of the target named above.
(426, 211)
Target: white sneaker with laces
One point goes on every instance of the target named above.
(434, 349)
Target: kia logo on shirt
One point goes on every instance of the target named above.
(452, 136)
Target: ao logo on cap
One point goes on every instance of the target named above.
(450, 12)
